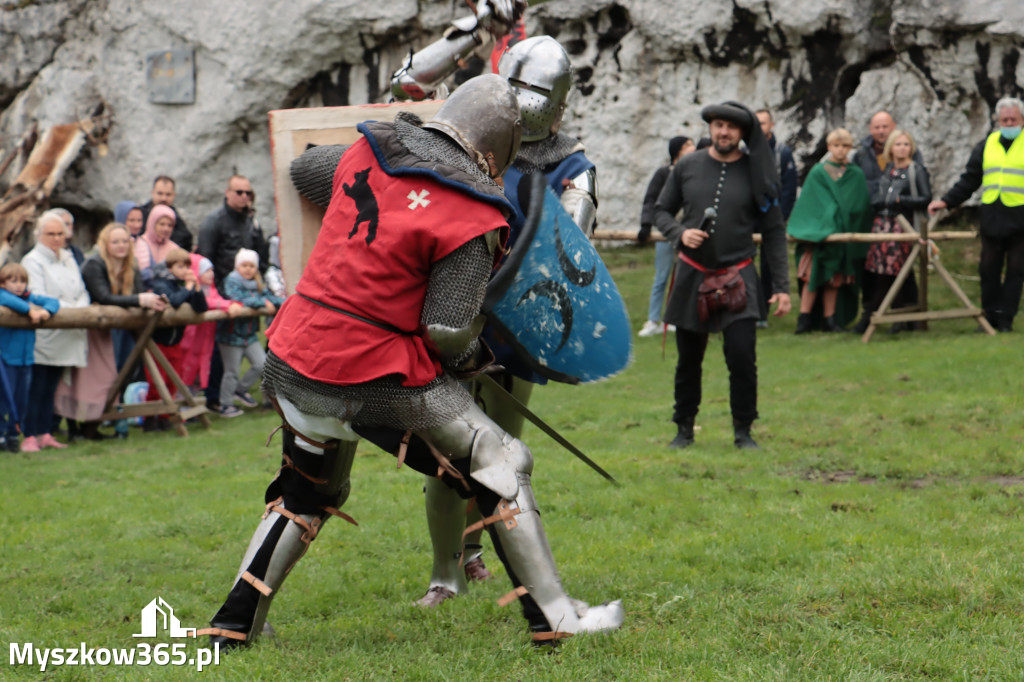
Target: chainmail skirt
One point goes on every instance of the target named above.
(381, 402)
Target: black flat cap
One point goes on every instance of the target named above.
(727, 111)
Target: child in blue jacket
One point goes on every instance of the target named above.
(238, 338)
(17, 347)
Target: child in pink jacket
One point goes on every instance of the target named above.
(198, 344)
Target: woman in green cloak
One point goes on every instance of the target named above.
(834, 199)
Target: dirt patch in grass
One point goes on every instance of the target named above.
(851, 476)
(842, 476)
(1007, 481)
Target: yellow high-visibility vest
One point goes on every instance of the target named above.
(1003, 172)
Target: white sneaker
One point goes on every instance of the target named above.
(650, 328)
(672, 328)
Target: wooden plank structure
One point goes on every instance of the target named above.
(292, 131)
(885, 314)
(49, 156)
(846, 237)
(920, 313)
(146, 350)
(181, 408)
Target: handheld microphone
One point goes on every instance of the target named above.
(709, 214)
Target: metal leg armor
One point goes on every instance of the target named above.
(311, 485)
(446, 519)
(502, 464)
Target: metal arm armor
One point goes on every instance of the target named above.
(312, 172)
(580, 200)
(422, 72)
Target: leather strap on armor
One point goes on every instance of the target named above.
(260, 586)
(507, 599)
(219, 632)
(506, 515)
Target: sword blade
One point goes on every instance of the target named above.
(542, 425)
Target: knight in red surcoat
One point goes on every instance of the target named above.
(383, 325)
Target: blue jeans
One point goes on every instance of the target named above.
(19, 378)
(664, 257)
(39, 418)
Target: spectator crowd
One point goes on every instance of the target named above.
(146, 258)
(865, 186)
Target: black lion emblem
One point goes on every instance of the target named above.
(366, 204)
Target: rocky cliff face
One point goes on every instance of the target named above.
(644, 68)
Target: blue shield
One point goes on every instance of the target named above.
(561, 311)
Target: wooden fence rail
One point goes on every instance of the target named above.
(144, 322)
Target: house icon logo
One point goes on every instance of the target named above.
(158, 611)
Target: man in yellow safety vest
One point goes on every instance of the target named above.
(997, 166)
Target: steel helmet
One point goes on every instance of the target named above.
(482, 117)
(541, 73)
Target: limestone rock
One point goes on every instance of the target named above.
(644, 69)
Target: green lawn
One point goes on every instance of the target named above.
(871, 539)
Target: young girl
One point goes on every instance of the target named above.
(834, 199)
(175, 280)
(17, 347)
(238, 338)
(200, 339)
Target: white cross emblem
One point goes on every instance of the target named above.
(418, 199)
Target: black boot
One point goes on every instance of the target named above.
(831, 325)
(684, 438)
(91, 431)
(297, 506)
(862, 324)
(741, 436)
(803, 323)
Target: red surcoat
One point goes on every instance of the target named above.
(414, 221)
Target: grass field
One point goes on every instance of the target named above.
(872, 538)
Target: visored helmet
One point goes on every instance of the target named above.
(540, 71)
(482, 117)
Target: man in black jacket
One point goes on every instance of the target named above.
(664, 251)
(163, 193)
(232, 227)
(223, 232)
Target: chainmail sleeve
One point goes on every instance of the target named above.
(456, 291)
(312, 172)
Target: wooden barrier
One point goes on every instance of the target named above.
(920, 312)
(182, 408)
(843, 237)
(916, 313)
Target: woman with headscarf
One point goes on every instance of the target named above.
(53, 272)
(155, 243)
(129, 214)
(111, 278)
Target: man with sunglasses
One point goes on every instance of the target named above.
(232, 227)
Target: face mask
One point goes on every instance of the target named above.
(1010, 133)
